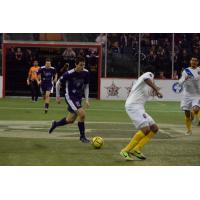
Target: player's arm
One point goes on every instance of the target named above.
(86, 89)
(184, 77)
(86, 92)
(58, 86)
(61, 81)
(154, 87)
(29, 77)
(39, 79)
(55, 78)
(39, 76)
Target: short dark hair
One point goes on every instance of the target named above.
(194, 56)
(48, 60)
(79, 59)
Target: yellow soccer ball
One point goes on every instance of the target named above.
(97, 142)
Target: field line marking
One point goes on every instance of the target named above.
(90, 109)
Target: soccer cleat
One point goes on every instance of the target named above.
(46, 111)
(138, 154)
(188, 133)
(126, 156)
(84, 140)
(53, 126)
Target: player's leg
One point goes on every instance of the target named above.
(81, 125)
(137, 142)
(43, 91)
(32, 91)
(37, 91)
(140, 121)
(137, 149)
(196, 108)
(71, 117)
(186, 105)
(188, 122)
(198, 115)
(46, 101)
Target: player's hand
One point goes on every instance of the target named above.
(186, 78)
(87, 103)
(58, 100)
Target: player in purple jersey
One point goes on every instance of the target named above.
(46, 76)
(77, 83)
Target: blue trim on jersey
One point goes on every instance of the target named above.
(188, 72)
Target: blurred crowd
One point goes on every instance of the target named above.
(23, 57)
(156, 50)
(122, 51)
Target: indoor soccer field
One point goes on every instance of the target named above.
(24, 138)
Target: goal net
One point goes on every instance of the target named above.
(18, 57)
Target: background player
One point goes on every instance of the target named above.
(46, 76)
(190, 102)
(32, 81)
(77, 82)
(140, 92)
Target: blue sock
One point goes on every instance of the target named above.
(62, 122)
(81, 126)
(46, 105)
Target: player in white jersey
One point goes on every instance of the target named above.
(190, 103)
(147, 128)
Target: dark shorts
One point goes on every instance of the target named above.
(73, 104)
(46, 87)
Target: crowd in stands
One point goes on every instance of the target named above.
(156, 50)
(24, 57)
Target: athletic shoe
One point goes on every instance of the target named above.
(188, 133)
(138, 154)
(84, 140)
(53, 126)
(126, 156)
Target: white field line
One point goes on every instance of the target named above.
(16, 125)
(75, 135)
(91, 109)
(19, 122)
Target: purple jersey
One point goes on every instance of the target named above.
(47, 75)
(75, 82)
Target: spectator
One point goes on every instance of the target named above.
(102, 39)
(161, 75)
(63, 69)
(175, 75)
(69, 53)
(151, 58)
(18, 54)
(69, 56)
(115, 48)
(123, 42)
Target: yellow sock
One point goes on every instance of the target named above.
(144, 140)
(136, 138)
(192, 115)
(198, 115)
(188, 123)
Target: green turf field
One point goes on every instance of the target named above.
(24, 138)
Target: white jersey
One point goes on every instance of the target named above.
(140, 91)
(191, 86)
